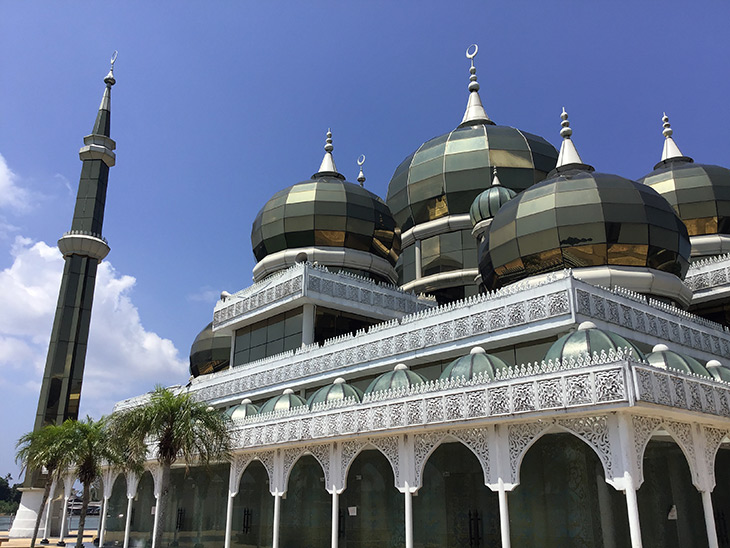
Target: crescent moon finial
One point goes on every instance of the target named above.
(361, 160)
(361, 175)
(114, 58)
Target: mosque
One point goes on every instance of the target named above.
(511, 349)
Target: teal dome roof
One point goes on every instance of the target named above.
(400, 377)
(242, 410)
(475, 362)
(486, 204)
(338, 390)
(587, 340)
(664, 358)
(288, 400)
(716, 369)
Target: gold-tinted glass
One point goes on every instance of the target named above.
(628, 225)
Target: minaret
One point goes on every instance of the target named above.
(83, 247)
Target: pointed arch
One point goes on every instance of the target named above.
(292, 455)
(241, 462)
(474, 439)
(387, 446)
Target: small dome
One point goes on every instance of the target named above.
(210, 352)
(486, 204)
(338, 390)
(664, 358)
(718, 371)
(242, 410)
(475, 363)
(400, 377)
(587, 340)
(286, 401)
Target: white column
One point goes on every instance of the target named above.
(503, 515)
(63, 522)
(632, 507)
(103, 521)
(709, 519)
(156, 522)
(128, 521)
(335, 518)
(307, 324)
(409, 517)
(419, 267)
(229, 519)
(49, 503)
(277, 518)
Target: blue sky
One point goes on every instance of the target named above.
(220, 104)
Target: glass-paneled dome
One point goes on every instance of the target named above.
(286, 401)
(664, 358)
(700, 194)
(400, 377)
(242, 410)
(474, 363)
(209, 352)
(587, 340)
(488, 202)
(446, 173)
(338, 390)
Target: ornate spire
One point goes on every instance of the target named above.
(671, 150)
(474, 109)
(495, 179)
(102, 125)
(328, 167)
(361, 175)
(568, 153)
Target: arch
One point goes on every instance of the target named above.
(306, 509)
(241, 462)
(108, 477)
(116, 511)
(714, 438)
(425, 444)
(292, 456)
(680, 432)
(352, 448)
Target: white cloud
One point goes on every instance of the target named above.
(12, 196)
(123, 358)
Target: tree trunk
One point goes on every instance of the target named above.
(82, 517)
(161, 508)
(44, 501)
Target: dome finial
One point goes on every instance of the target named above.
(109, 78)
(327, 167)
(670, 150)
(568, 153)
(361, 175)
(495, 179)
(474, 109)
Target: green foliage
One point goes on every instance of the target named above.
(9, 495)
(51, 448)
(177, 426)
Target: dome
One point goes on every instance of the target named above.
(210, 352)
(579, 218)
(475, 363)
(400, 377)
(587, 340)
(242, 410)
(445, 174)
(488, 202)
(321, 214)
(700, 194)
(664, 358)
(338, 390)
(718, 371)
(286, 401)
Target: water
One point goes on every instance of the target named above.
(92, 523)
(6, 522)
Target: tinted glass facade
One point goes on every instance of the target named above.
(268, 337)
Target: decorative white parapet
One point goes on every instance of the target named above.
(709, 278)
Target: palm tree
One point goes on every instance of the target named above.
(49, 448)
(176, 427)
(91, 448)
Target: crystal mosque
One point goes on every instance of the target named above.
(511, 349)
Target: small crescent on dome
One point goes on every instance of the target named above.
(114, 57)
(472, 55)
(361, 160)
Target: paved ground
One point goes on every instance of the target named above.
(25, 542)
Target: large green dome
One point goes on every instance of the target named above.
(446, 173)
(586, 341)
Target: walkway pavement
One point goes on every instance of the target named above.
(25, 542)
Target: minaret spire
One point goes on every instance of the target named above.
(361, 175)
(83, 247)
(568, 153)
(328, 168)
(495, 179)
(474, 109)
(670, 150)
